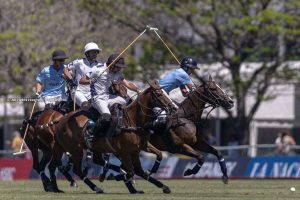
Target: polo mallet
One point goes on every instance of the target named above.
(155, 31)
(74, 106)
(123, 51)
(21, 148)
(74, 101)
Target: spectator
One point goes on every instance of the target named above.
(288, 141)
(284, 142)
(279, 144)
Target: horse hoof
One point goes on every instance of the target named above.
(101, 178)
(49, 188)
(59, 191)
(166, 190)
(73, 184)
(188, 172)
(99, 191)
(225, 179)
(137, 192)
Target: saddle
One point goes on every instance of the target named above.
(116, 121)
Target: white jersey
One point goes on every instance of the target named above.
(101, 81)
(81, 67)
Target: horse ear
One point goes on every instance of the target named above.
(210, 78)
(153, 83)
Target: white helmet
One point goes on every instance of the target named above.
(91, 46)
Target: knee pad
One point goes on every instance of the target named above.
(90, 124)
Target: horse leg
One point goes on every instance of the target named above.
(31, 142)
(151, 149)
(36, 165)
(46, 157)
(127, 165)
(77, 160)
(55, 162)
(103, 160)
(189, 151)
(98, 159)
(140, 172)
(205, 147)
(65, 170)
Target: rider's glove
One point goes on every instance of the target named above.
(72, 84)
(192, 89)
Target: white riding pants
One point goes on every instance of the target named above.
(80, 97)
(102, 106)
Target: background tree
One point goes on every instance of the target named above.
(230, 32)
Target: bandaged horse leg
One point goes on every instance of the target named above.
(77, 160)
(127, 165)
(77, 156)
(205, 147)
(65, 169)
(152, 149)
(102, 176)
(189, 151)
(140, 172)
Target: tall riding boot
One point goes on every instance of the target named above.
(103, 124)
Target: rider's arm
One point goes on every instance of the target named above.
(184, 91)
(190, 86)
(130, 85)
(38, 87)
(67, 74)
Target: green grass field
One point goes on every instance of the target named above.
(181, 189)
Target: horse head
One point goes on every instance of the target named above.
(154, 96)
(210, 92)
(118, 88)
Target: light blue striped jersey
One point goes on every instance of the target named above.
(174, 79)
(52, 81)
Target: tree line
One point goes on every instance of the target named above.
(229, 32)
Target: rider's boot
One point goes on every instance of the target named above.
(103, 124)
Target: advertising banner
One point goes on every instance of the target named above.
(174, 167)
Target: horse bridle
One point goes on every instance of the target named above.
(206, 97)
(166, 107)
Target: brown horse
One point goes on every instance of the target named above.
(127, 145)
(182, 134)
(40, 136)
